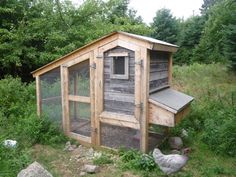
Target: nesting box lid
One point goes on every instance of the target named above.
(171, 98)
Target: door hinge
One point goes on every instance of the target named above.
(95, 130)
(99, 57)
(139, 63)
(140, 105)
(93, 66)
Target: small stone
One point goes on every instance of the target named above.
(34, 170)
(10, 143)
(91, 168)
(82, 173)
(175, 143)
(69, 146)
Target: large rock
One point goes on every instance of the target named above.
(69, 146)
(34, 170)
(175, 142)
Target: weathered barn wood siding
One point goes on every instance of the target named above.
(119, 93)
(158, 69)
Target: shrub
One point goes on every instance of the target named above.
(103, 159)
(133, 159)
(220, 130)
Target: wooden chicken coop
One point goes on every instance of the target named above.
(109, 92)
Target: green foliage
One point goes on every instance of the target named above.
(165, 26)
(12, 160)
(220, 129)
(18, 121)
(133, 159)
(213, 111)
(103, 159)
(211, 46)
(56, 28)
(189, 37)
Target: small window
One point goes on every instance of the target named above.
(119, 66)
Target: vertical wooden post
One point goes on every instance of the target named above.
(98, 93)
(38, 95)
(92, 97)
(170, 65)
(65, 100)
(145, 54)
(137, 87)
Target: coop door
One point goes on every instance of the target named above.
(78, 104)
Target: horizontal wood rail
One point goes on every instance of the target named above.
(80, 137)
(82, 99)
(119, 120)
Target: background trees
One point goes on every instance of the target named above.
(165, 26)
(35, 32)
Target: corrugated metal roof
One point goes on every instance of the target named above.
(149, 39)
(171, 98)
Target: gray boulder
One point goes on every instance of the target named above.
(175, 142)
(34, 170)
(91, 168)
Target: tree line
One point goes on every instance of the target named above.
(35, 32)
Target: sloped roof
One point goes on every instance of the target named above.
(149, 39)
(172, 99)
(139, 37)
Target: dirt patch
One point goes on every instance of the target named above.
(70, 164)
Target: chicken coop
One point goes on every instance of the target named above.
(112, 91)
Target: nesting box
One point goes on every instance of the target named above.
(109, 92)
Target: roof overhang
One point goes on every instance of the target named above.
(151, 44)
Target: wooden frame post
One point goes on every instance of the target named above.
(145, 54)
(137, 83)
(65, 100)
(92, 97)
(170, 65)
(98, 93)
(38, 95)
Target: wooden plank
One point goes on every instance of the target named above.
(65, 101)
(92, 99)
(119, 120)
(38, 96)
(80, 138)
(119, 97)
(134, 41)
(120, 54)
(119, 107)
(170, 70)
(161, 47)
(180, 115)
(137, 85)
(76, 98)
(98, 97)
(145, 54)
(160, 116)
(78, 59)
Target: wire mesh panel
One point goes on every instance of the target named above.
(155, 136)
(79, 79)
(80, 121)
(50, 87)
(116, 137)
(79, 85)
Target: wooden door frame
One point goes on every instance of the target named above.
(66, 97)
